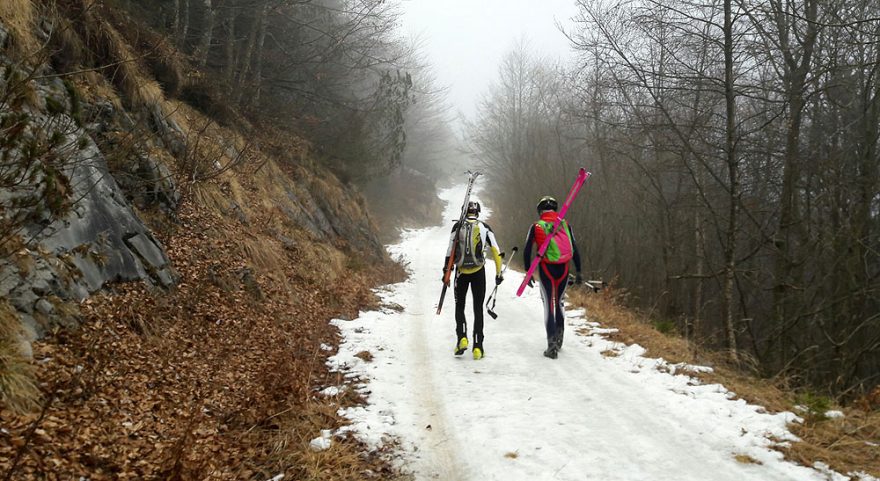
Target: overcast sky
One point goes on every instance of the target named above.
(465, 40)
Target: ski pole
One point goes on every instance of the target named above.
(493, 296)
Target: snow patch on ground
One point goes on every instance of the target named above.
(601, 411)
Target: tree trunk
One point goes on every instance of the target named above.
(248, 57)
(790, 227)
(204, 47)
(183, 32)
(175, 19)
(693, 321)
(229, 68)
(733, 181)
(258, 63)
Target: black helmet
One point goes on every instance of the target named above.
(473, 207)
(547, 203)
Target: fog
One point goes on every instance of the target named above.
(464, 40)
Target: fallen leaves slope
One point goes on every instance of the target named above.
(196, 383)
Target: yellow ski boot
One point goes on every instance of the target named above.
(461, 347)
(478, 354)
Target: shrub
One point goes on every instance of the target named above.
(815, 406)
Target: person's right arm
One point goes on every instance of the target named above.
(449, 247)
(527, 249)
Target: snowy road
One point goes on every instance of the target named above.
(516, 415)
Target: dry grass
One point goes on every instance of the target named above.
(93, 88)
(851, 443)
(18, 388)
(366, 356)
(24, 262)
(260, 196)
(847, 445)
(83, 36)
(19, 17)
(292, 454)
(746, 459)
(263, 253)
(211, 196)
(123, 64)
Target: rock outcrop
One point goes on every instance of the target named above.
(88, 158)
(98, 238)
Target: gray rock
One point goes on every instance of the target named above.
(105, 222)
(148, 183)
(246, 276)
(91, 272)
(79, 292)
(41, 285)
(25, 349)
(4, 38)
(23, 300)
(165, 278)
(170, 133)
(9, 279)
(100, 239)
(30, 329)
(44, 307)
(286, 242)
(146, 247)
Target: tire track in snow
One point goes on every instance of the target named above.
(440, 458)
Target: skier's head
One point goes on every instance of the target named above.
(473, 209)
(547, 203)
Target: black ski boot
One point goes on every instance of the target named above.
(551, 352)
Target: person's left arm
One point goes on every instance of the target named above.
(493, 246)
(575, 256)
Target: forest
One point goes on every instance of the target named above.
(736, 171)
(734, 147)
(332, 71)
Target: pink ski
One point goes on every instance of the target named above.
(582, 177)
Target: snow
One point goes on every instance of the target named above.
(322, 442)
(331, 391)
(516, 415)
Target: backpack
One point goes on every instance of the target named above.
(559, 251)
(469, 252)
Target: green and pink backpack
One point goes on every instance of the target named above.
(559, 251)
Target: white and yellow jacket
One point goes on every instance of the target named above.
(483, 239)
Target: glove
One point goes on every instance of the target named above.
(578, 279)
(499, 280)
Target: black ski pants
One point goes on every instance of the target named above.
(477, 283)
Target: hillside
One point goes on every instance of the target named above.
(168, 265)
